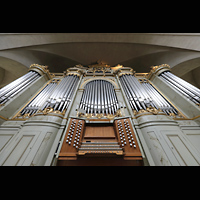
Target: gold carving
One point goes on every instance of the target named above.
(110, 116)
(43, 69)
(155, 69)
(118, 113)
(100, 66)
(172, 115)
(47, 110)
(73, 73)
(88, 116)
(153, 110)
(125, 73)
(25, 116)
(149, 110)
(50, 110)
(100, 115)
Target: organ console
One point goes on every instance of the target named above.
(97, 115)
(92, 142)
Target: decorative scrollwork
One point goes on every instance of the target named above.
(50, 110)
(100, 115)
(150, 109)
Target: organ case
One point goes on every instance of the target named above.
(99, 115)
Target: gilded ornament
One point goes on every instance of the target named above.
(152, 110)
(110, 116)
(100, 115)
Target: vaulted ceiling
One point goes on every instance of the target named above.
(137, 50)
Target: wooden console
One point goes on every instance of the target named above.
(100, 144)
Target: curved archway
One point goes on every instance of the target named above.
(99, 78)
(10, 70)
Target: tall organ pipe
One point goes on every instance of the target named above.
(12, 89)
(185, 88)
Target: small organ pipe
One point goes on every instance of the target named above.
(105, 98)
(92, 95)
(102, 97)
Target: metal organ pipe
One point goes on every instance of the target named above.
(99, 97)
(185, 84)
(61, 96)
(141, 96)
(12, 89)
(38, 101)
(185, 88)
(105, 98)
(68, 96)
(129, 95)
(57, 96)
(10, 86)
(162, 103)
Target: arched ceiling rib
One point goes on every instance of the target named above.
(137, 50)
(175, 40)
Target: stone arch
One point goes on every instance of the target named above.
(110, 80)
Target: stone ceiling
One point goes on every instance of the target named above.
(137, 50)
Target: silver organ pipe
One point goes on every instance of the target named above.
(39, 100)
(159, 100)
(142, 96)
(12, 89)
(99, 97)
(61, 96)
(185, 88)
(57, 96)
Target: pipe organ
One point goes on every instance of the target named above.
(99, 97)
(99, 115)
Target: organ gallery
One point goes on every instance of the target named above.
(99, 115)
